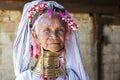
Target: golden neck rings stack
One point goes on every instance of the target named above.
(51, 65)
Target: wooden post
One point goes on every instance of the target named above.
(98, 33)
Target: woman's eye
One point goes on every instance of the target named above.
(60, 31)
(46, 30)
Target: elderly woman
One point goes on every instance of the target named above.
(46, 47)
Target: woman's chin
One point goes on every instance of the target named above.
(54, 48)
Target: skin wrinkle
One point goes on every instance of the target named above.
(51, 32)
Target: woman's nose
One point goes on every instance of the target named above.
(53, 35)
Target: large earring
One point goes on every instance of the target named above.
(37, 50)
(35, 46)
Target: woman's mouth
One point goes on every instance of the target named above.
(52, 43)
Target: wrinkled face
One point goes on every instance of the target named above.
(51, 32)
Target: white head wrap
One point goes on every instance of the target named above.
(22, 45)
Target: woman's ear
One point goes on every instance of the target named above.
(34, 35)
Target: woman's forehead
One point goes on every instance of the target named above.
(55, 20)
